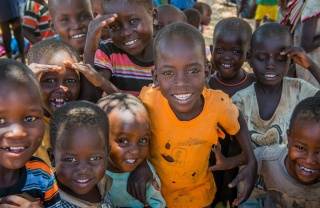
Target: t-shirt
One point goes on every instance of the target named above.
(182, 4)
(267, 2)
(127, 73)
(121, 198)
(283, 190)
(36, 18)
(180, 150)
(68, 201)
(37, 180)
(272, 131)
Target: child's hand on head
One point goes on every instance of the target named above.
(94, 30)
(298, 55)
(19, 200)
(41, 68)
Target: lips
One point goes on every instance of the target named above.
(58, 102)
(226, 66)
(182, 97)
(270, 75)
(131, 42)
(82, 180)
(78, 36)
(306, 171)
(14, 149)
(130, 161)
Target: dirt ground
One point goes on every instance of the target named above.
(220, 11)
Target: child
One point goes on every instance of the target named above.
(193, 17)
(291, 172)
(185, 117)
(268, 103)
(24, 180)
(266, 7)
(56, 64)
(80, 143)
(231, 40)
(129, 140)
(168, 14)
(205, 11)
(127, 60)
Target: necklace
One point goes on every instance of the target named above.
(233, 85)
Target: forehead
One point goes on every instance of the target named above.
(71, 6)
(231, 37)
(58, 57)
(28, 87)
(269, 44)
(307, 132)
(122, 7)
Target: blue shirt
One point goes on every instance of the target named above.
(183, 4)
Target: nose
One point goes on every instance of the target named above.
(271, 62)
(61, 88)
(181, 79)
(83, 167)
(311, 158)
(76, 24)
(16, 131)
(134, 149)
(126, 31)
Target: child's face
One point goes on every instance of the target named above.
(70, 20)
(182, 79)
(268, 65)
(58, 88)
(206, 17)
(229, 53)
(303, 161)
(132, 30)
(165, 18)
(129, 139)
(21, 125)
(81, 161)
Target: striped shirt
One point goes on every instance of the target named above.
(36, 18)
(37, 180)
(127, 73)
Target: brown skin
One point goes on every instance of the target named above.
(309, 40)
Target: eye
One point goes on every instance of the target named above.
(167, 73)
(70, 159)
(30, 118)
(134, 21)
(193, 71)
(218, 49)
(157, 27)
(300, 147)
(113, 27)
(65, 19)
(143, 141)
(2, 121)
(282, 58)
(236, 51)
(71, 81)
(123, 141)
(50, 80)
(83, 17)
(261, 58)
(94, 158)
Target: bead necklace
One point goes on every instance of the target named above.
(233, 85)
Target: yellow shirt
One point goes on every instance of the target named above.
(180, 150)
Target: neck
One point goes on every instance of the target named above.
(146, 54)
(265, 89)
(8, 177)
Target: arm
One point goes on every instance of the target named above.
(30, 36)
(300, 57)
(20, 200)
(309, 41)
(249, 172)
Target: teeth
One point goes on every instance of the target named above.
(82, 180)
(14, 149)
(182, 96)
(270, 75)
(130, 161)
(306, 171)
(78, 36)
(58, 102)
(131, 42)
(226, 65)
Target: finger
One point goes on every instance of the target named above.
(15, 200)
(235, 181)
(27, 197)
(213, 168)
(155, 184)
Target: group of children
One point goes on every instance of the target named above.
(154, 150)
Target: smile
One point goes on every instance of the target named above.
(78, 36)
(306, 171)
(131, 42)
(270, 75)
(226, 66)
(182, 96)
(82, 180)
(130, 161)
(59, 102)
(14, 149)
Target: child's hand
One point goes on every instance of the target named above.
(94, 30)
(221, 161)
(41, 68)
(137, 182)
(245, 178)
(19, 200)
(298, 55)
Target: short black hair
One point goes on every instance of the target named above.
(201, 7)
(148, 4)
(169, 8)
(193, 17)
(74, 115)
(179, 30)
(46, 49)
(121, 101)
(235, 25)
(51, 6)
(15, 73)
(308, 110)
(270, 30)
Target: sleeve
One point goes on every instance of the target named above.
(311, 9)
(229, 117)
(102, 60)
(305, 89)
(154, 197)
(30, 18)
(51, 195)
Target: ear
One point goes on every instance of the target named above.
(51, 157)
(248, 57)
(155, 16)
(50, 22)
(207, 72)
(288, 136)
(155, 77)
(211, 49)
